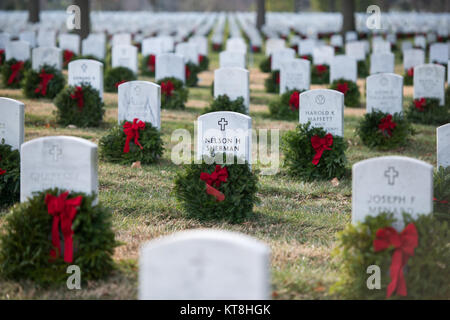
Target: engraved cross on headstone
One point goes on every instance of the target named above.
(222, 123)
(391, 174)
(56, 152)
(84, 67)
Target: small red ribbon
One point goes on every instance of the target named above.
(167, 88)
(218, 176)
(434, 199)
(411, 72)
(277, 78)
(404, 244)
(79, 96)
(151, 63)
(294, 101)
(321, 68)
(117, 84)
(305, 57)
(187, 72)
(68, 55)
(45, 79)
(386, 125)
(15, 68)
(320, 145)
(343, 87)
(1, 170)
(420, 104)
(63, 210)
(2, 52)
(200, 58)
(131, 130)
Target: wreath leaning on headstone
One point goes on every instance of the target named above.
(224, 103)
(408, 77)
(210, 191)
(265, 64)
(272, 83)
(114, 77)
(55, 229)
(191, 74)
(132, 141)
(286, 106)
(320, 74)
(79, 105)
(148, 65)
(9, 174)
(428, 111)
(352, 96)
(13, 72)
(363, 68)
(45, 83)
(174, 94)
(313, 154)
(2, 57)
(414, 263)
(203, 62)
(384, 131)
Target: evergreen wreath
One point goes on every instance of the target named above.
(384, 131)
(26, 241)
(272, 84)
(2, 57)
(191, 71)
(173, 93)
(408, 77)
(307, 57)
(9, 174)
(427, 271)
(363, 68)
(299, 152)
(352, 96)
(217, 47)
(79, 105)
(442, 192)
(217, 192)
(224, 103)
(428, 111)
(13, 72)
(265, 64)
(116, 76)
(45, 83)
(320, 74)
(286, 106)
(68, 56)
(203, 62)
(148, 65)
(112, 145)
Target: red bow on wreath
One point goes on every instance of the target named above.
(218, 176)
(404, 244)
(321, 68)
(63, 210)
(131, 130)
(386, 125)
(68, 55)
(167, 88)
(151, 62)
(411, 72)
(15, 68)
(2, 52)
(420, 104)
(79, 96)
(200, 58)
(2, 172)
(187, 72)
(277, 78)
(294, 100)
(434, 199)
(343, 87)
(320, 145)
(45, 79)
(117, 84)
(305, 57)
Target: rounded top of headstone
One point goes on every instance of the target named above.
(138, 82)
(81, 61)
(61, 138)
(10, 101)
(391, 158)
(218, 113)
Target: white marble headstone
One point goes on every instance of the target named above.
(382, 63)
(86, 71)
(295, 74)
(429, 82)
(323, 108)
(188, 51)
(121, 39)
(391, 184)
(94, 45)
(204, 264)
(19, 50)
(323, 55)
(68, 163)
(439, 53)
(384, 92)
(281, 55)
(170, 65)
(224, 132)
(274, 44)
(356, 50)
(234, 82)
(232, 59)
(236, 44)
(12, 122)
(51, 56)
(46, 38)
(70, 41)
(413, 58)
(343, 67)
(142, 100)
(306, 47)
(125, 56)
(29, 37)
(443, 146)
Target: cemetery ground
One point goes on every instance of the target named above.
(298, 220)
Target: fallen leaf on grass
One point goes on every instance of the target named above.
(335, 182)
(136, 165)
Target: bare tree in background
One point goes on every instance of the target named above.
(261, 13)
(34, 7)
(85, 10)
(348, 12)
